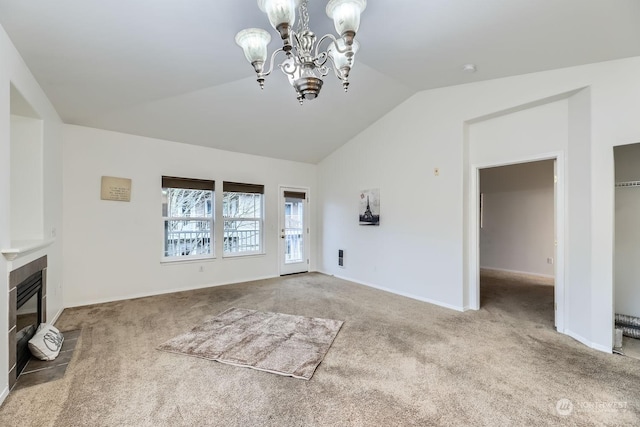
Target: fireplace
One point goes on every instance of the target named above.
(27, 309)
(28, 317)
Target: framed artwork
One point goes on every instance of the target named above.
(116, 189)
(369, 207)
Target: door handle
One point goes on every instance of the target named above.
(282, 236)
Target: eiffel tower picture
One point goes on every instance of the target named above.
(370, 207)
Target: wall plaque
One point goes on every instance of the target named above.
(118, 189)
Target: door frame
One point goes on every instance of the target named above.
(306, 219)
(559, 221)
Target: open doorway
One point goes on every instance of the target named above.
(517, 249)
(627, 250)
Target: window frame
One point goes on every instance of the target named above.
(240, 188)
(189, 184)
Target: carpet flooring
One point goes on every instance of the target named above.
(395, 362)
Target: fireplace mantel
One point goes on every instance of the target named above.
(22, 247)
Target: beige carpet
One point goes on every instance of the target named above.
(272, 342)
(395, 362)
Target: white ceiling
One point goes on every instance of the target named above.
(170, 69)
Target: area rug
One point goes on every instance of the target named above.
(273, 342)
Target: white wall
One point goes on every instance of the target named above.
(627, 237)
(535, 130)
(422, 245)
(113, 249)
(26, 178)
(518, 218)
(14, 71)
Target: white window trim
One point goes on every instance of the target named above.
(192, 258)
(262, 250)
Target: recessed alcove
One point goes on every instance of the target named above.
(26, 178)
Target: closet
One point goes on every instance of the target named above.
(627, 246)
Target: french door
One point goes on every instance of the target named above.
(294, 230)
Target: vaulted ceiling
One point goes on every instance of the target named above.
(170, 69)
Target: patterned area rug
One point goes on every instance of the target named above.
(273, 342)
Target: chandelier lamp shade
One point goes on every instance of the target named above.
(304, 62)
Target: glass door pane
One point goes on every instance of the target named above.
(294, 230)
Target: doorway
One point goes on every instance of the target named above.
(517, 231)
(294, 230)
(627, 249)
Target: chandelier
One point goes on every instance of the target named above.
(305, 64)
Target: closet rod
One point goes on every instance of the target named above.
(628, 184)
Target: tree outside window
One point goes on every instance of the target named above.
(242, 211)
(187, 210)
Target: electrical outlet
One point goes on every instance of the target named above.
(436, 171)
(549, 260)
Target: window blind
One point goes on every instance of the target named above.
(294, 194)
(237, 187)
(188, 183)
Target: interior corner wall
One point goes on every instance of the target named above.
(13, 71)
(419, 247)
(113, 250)
(517, 231)
(627, 235)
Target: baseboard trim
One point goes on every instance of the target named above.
(601, 348)
(162, 292)
(525, 273)
(55, 318)
(404, 294)
(588, 343)
(4, 394)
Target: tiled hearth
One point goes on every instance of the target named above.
(41, 371)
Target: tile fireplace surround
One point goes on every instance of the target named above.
(16, 277)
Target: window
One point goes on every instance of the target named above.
(242, 206)
(187, 210)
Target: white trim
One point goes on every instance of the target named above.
(260, 219)
(163, 292)
(212, 230)
(474, 232)
(186, 259)
(601, 348)
(24, 247)
(559, 262)
(404, 294)
(588, 343)
(306, 230)
(55, 318)
(4, 394)
(243, 256)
